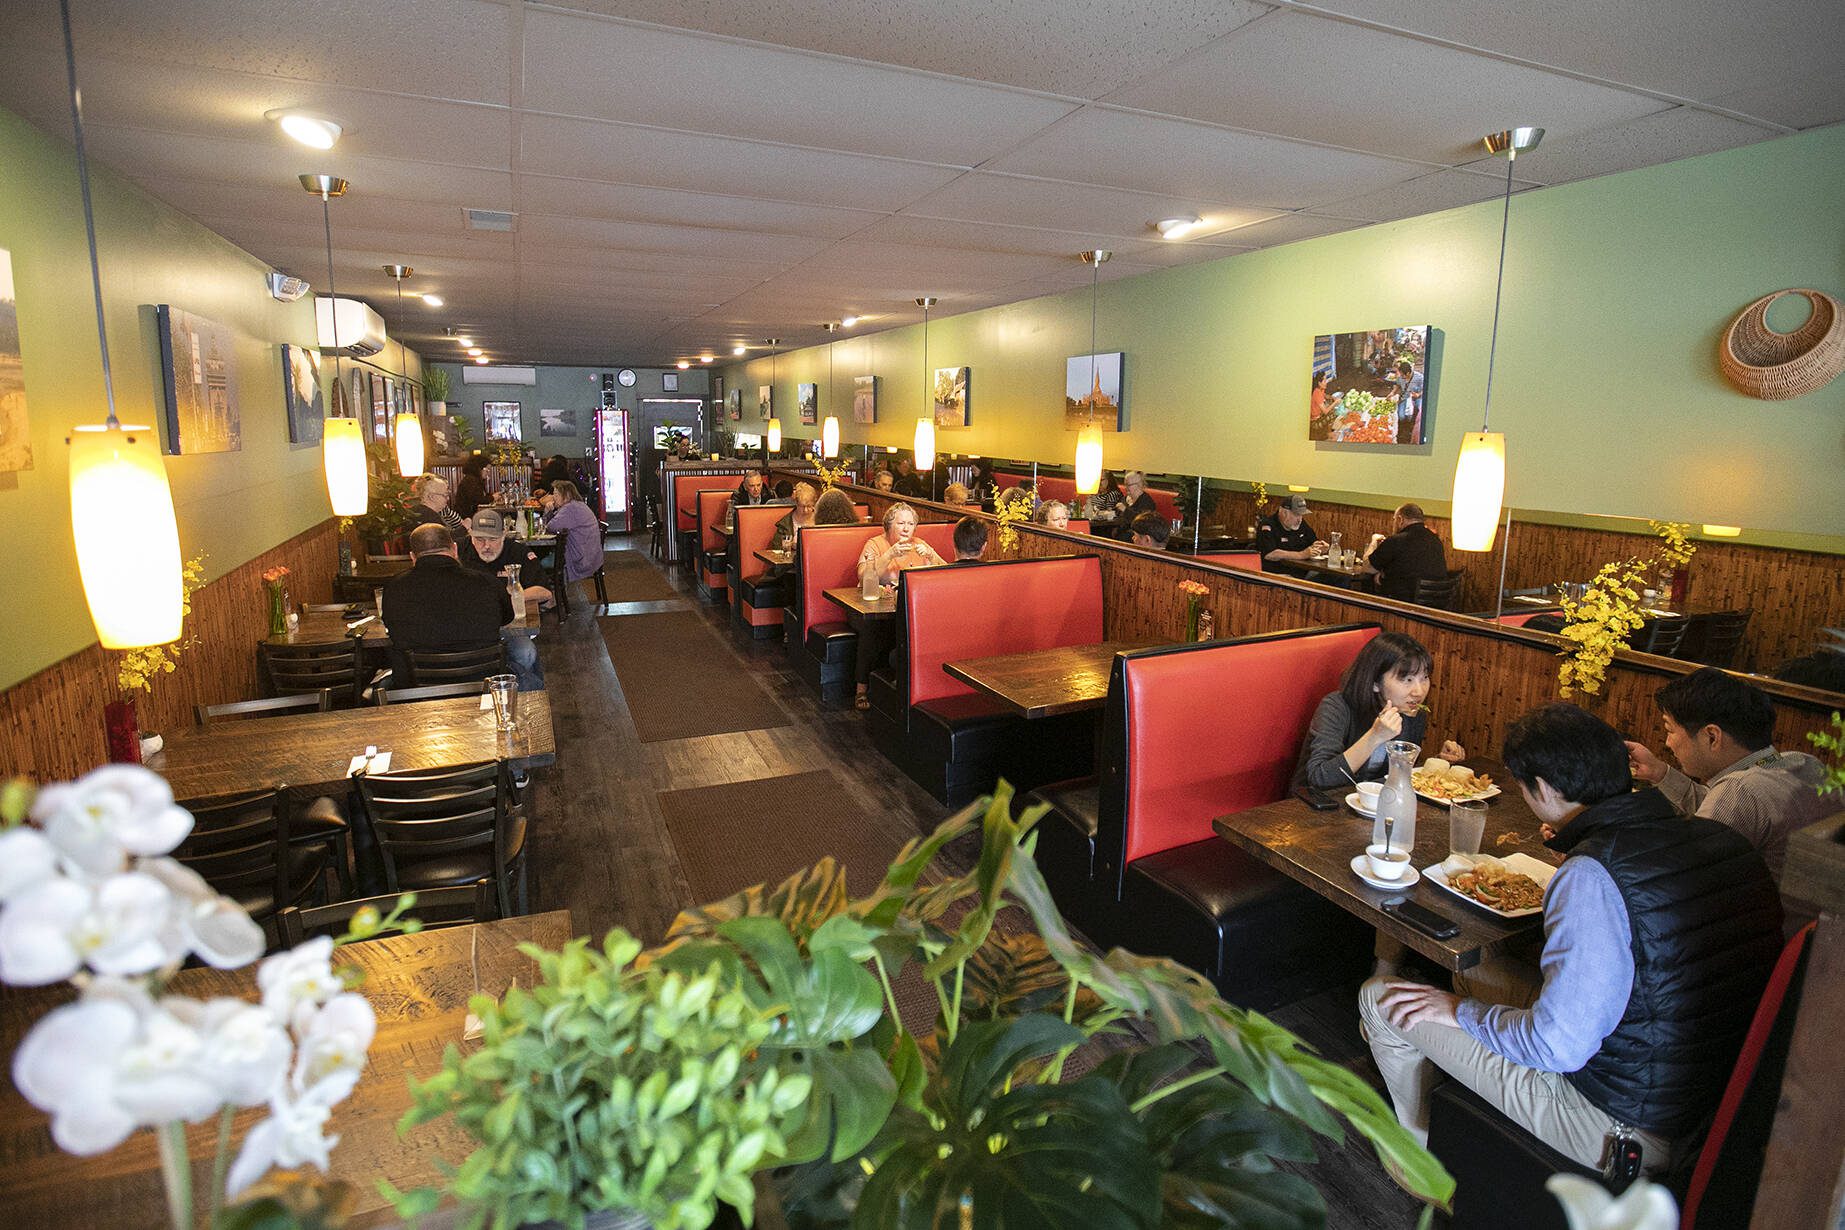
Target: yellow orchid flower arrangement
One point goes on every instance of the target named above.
(1010, 509)
(1603, 619)
(829, 477)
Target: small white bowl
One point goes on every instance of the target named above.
(1392, 868)
(1370, 791)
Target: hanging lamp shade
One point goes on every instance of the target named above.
(829, 437)
(925, 444)
(775, 435)
(409, 445)
(1479, 491)
(1089, 460)
(121, 514)
(343, 452)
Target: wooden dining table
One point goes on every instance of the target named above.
(776, 559)
(418, 986)
(859, 610)
(1316, 849)
(1044, 682)
(330, 627)
(314, 751)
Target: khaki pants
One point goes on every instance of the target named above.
(1543, 1103)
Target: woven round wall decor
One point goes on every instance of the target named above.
(1778, 366)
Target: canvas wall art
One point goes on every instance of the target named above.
(864, 399)
(808, 395)
(1092, 392)
(198, 368)
(736, 405)
(765, 401)
(381, 407)
(439, 436)
(951, 408)
(558, 423)
(500, 419)
(301, 395)
(15, 432)
(1371, 387)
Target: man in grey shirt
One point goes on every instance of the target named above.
(1720, 729)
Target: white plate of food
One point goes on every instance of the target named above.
(1440, 782)
(1510, 887)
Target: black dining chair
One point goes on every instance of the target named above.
(1721, 636)
(1443, 595)
(424, 667)
(242, 846)
(560, 587)
(294, 670)
(1662, 636)
(271, 706)
(434, 907)
(429, 691)
(656, 528)
(443, 827)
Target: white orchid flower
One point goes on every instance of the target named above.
(332, 1047)
(295, 982)
(26, 860)
(49, 932)
(202, 921)
(293, 1135)
(66, 1068)
(244, 1051)
(166, 1075)
(109, 814)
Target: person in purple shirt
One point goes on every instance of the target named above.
(1659, 934)
(583, 549)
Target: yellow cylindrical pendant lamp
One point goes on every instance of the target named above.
(343, 453)
(1089, 460)
(829, 437)
(121, 513)
(925, 444)
(409, 445)
(1479, 491)
(775, 435)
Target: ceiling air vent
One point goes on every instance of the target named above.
(489, 219)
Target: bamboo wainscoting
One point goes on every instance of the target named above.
(1486, 675)
(51, 725)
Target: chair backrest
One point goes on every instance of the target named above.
(981, 610)
(428, 691)
(827, 559)
(454, 666)
(1247, 560)
(238, 845)
(685, 494)
(291, 670)
(434, 907)
(1162, 782)
(755, 531)
(938, 534)
(1729, 1168)
(1662, 636)
(1443, 595)
(711, 506)
(307, 702)
(421, 815)
(1722, 636)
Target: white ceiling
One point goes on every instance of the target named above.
(690, 174)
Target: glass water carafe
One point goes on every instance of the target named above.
(1397, 800)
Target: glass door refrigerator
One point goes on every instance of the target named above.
(613, 470)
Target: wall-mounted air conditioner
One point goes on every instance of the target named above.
(361, 330)
(476, 374)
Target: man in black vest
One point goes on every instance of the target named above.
(1659, 935)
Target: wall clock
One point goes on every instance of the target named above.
(626, 376)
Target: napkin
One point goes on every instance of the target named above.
(381, 763)
(486, 701)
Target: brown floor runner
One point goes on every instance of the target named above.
(630, 576)
(732, 836)
(666, 664)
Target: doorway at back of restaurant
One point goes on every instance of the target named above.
(654, 422)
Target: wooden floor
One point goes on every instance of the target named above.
(602, 849)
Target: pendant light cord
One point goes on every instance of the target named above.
(89, 213)
(1095, 289)
(333, 296)
(1492, 348)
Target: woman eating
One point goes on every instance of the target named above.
(1380, 700)
(886, 556)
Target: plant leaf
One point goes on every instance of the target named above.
(803, 903)
(1011, 975)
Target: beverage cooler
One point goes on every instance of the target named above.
(614, 475)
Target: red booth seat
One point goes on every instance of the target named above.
(1248, 560)
(952, 740)
(1521, 619)
(713, 563)
(685, 495)
(757, 599)
(1192, 732)
(1166, 503)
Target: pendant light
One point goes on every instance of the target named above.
(408, 429)
(829, 427)
(121, 507)
(924, 446)
(1089, 439)
(342, 445)
(775, 422)
(1479, 471)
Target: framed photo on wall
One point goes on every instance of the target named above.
(301, 396)
(1372, 387)
(765, 401)
(736, 405)
(864, 399)
(15, 431)
(501, 420)
(669, 382)
(808, 397)
(951, 408)
(1092, 392)
(381, 406)
(198, 367)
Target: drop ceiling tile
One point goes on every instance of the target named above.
(1151, 154)
(989, 237)
(1081, 50)
(867, 258)
(608, 260)
(1686, 48)
(980, 197)
(1314, 79)
(1426, 194)
(625, 154)
(1797, 101)
(1291, 228)
(548, 231)
(1666, 136)
(683, 81)
(583, 198)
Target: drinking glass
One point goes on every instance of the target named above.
(868, 588)
(378, 602)
(505, 692)
(1466, 826)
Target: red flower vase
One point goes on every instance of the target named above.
(1681, 580)
(124, 734)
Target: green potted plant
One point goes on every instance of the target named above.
(389, 505)
(436, 389)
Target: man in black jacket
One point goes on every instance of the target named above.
(440, 607)
(1411, 553)
(1659, 935)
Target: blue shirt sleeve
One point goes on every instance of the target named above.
(1588, 969)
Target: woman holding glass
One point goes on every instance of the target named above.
(885, 556)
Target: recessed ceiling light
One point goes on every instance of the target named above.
(464, 341)
(704, 358)
(740, 351)
(474, 350)
(848, 322)
(1177, 228)
(683, 365)
(311, 130)
(481, 359)
(433, 300)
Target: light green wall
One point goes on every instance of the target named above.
(231, 506)
(1607, 387)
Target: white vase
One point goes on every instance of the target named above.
(1588, 1206)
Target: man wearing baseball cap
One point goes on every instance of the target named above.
(1285, 537)
(491, 549)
